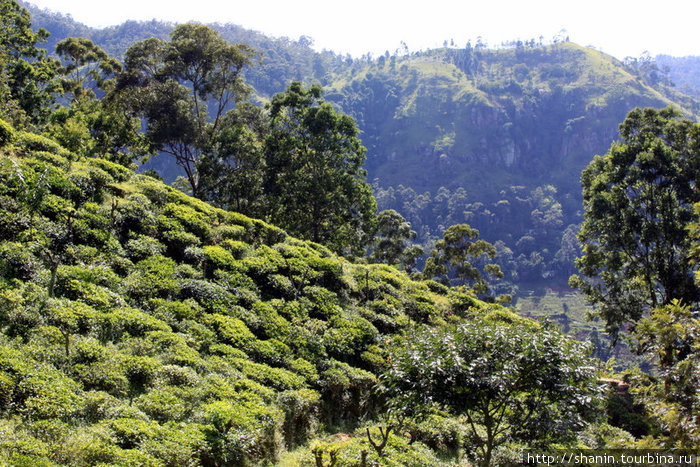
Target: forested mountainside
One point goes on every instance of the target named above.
(283, 59)
(683, 71)
(494, 138)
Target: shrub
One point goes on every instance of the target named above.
(31, 142)
(129, 433)
(195, 222)
(271, 352)
(441, 434)
(305, 368)
(276, 378)
(135, 214)
(53, 159)
(173, 312)
(325, 302)
(88, 351)
(228, 232)
(17, 262)
(240, 286)
(231, 330)
(97, 274)
(175, 375)
(21, 449)
(217, 258)
(347, 338)
(269, 323)
(136, 323)
(346, 391)
(139, 371)
(143, 246)
(90, 183)
(239, 433)
(94, 295)
(47, 393)
(116, 171)
(156, 192)
(281, 285)
(209, 295)
(177, 241)
(195, 256)
(99, 405)
(399, 452)
(301, 411)
(164, 404)
(265, 261)
(177, 444)
(7, 133)
(153, 278)
(237, 248)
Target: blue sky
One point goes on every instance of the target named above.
(618, 27)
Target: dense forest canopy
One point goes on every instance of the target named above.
(270, 307)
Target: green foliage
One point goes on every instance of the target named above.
(7, 133)
(349, 451)
(27, 73)
(315, 178)
(638, 203)
(301, 415)
(461, 252)
(170, 84)
(31, 142)
(154, 277)
(231, 176)
(669, 338)
(239, 433)
(146, 327)
(511, 382)
(390, 241)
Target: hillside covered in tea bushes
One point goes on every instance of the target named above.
(141, 326)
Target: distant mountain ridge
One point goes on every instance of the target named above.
(684, 71)
(539, 112)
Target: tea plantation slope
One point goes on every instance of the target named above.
(141, 326)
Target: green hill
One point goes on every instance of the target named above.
(684, 71)
(495, 138)
(140, 326)
(486, 119)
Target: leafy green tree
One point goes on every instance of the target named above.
(184, 88)
(315, 182)
(638, 203)
(392, 241)
(566, 255)
(668, 337)
(68, 317)
(510, 382)
(458, 255)
(231, 176)
(90, 126)
(86, 67)
(694, 231)
(27, 72)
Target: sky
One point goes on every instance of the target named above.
(619, 27)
